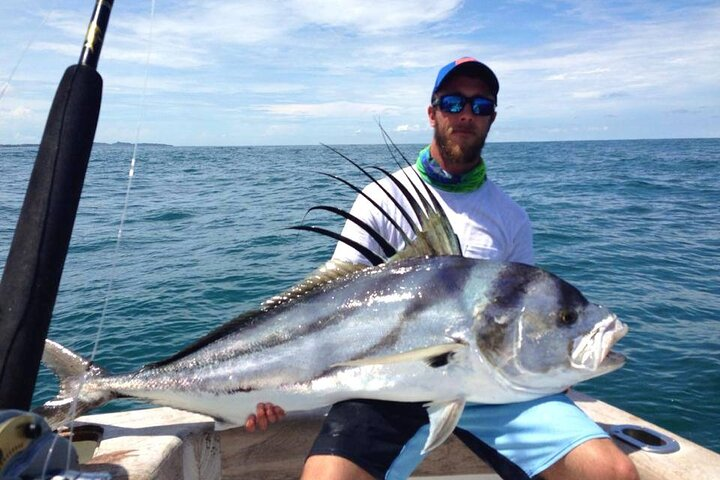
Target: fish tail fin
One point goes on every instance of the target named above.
(78, 392)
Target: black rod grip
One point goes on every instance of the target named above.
(36, 258)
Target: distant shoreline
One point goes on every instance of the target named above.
(167, 145)
(116, 144)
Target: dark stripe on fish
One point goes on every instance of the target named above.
(239, 323)
(505, 298)
(247, 321)
(442, 286)
(244, 322)
(570, 301)
(239, 390)
(570, 297)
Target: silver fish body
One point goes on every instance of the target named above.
(442, 330)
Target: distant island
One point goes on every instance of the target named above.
(116, 144)
(129, 144)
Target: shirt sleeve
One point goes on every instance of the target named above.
(522, 249)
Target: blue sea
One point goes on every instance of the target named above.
(634, 224)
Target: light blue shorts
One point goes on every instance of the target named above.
(532, 435)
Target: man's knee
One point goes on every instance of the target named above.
(332, 467)
(626, 469)
(596, 459)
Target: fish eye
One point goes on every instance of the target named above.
(567, 318)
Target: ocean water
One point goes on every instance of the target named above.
(634, 224)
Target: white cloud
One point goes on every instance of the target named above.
(579, 74)
(67, 21)
(329, 109)
(275, 88)
(20, 112)
(649, 64)
(409, 128)
(280, 131)
(220, 66)
(67, 49)
(587, 94)
(212, 24)
(375, 17)
(194, 34)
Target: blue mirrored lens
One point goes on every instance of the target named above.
(454, 103)
(482, 106)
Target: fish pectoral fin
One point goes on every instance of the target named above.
(435, 356)
(444, 417)
(222, 424)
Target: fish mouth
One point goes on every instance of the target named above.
(615, 358)
(592, 350)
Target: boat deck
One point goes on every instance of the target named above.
(163, 443)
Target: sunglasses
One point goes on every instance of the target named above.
(454, 103)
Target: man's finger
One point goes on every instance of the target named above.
(250, 423)
(278, 413)
(270, 413)
(261, 416)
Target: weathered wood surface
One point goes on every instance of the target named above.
(162, 443)
(157, 443)
(279, 452)
(691, 462)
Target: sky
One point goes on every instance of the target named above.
(304, 72)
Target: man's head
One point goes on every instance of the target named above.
(462, 109)
(469, 67)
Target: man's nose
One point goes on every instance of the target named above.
(466, 111)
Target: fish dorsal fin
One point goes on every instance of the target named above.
(329, 272)
(433, 234)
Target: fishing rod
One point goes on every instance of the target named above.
(35, 261)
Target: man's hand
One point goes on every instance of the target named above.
(265, 413)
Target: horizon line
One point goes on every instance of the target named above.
(160, 144)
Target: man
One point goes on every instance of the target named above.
(549, 437)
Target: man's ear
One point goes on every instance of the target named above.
(431, 115)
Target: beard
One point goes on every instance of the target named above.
(466, 154)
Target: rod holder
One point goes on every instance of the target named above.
(645, 439)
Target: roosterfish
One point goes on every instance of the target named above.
(422, 324)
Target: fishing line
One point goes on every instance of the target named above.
(131, 175)
(118, 239)
(23, 54)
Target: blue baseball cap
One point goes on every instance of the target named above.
(470, 67)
